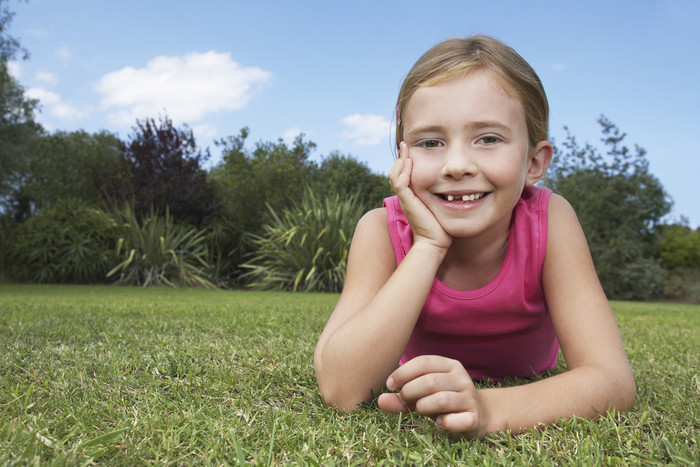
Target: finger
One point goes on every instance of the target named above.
(392, 403)
(438, 386)
(396, 170)
(460, 422)
(443, 402)
(403, 150)
(399, 167)
(419, 366)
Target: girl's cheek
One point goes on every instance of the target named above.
(422, 171)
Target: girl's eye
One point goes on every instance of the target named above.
(430, 144)
(489, 139)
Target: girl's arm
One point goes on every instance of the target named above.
(380, 303)
(599, 376)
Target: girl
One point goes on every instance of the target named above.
(470, 271)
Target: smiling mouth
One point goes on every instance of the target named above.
(462, 198)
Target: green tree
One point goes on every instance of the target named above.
(272, 173)
(620, 204)
(17, 125)
(17, 129)
(680, 246)
(680, 254)
(246, 182)
(69, 166)
(346, 176)
(9, 45)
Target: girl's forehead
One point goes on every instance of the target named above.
(485, 74)
(478, 91)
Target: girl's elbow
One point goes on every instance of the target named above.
(335, 393)
(338, 395)
(623, 390)
(628, 391)
(339, 399)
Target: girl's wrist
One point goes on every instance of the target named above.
(429, 248)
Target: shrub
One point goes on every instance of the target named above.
(683, 285)
(66, 243)
(156, 251)
(227, 247)
(306, 249)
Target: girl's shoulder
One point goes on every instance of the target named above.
(565, 234)
(372, 230)
(371, 248)
(374, 219)
(559, 210)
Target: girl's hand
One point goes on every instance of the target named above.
(439, 388)
(423, 223)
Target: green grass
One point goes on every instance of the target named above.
(164, 376)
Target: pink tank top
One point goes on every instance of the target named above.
(502, 329)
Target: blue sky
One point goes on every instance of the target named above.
(332, 69)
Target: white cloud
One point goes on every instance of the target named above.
(14, 69)
(36, 32)
(186, 87)
(55, 106)
(289, 135)
(366, 129)
(204, 131)
(64, 52)
(46, 78)
(559, 67)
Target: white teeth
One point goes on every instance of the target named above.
(465, 198)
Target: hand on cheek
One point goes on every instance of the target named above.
(439, 388)
(424, 224)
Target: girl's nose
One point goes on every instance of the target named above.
(458, 163)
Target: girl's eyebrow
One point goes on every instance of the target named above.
(476, 125)
(489, 124)
(425, 129)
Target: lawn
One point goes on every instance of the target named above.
(129, 376)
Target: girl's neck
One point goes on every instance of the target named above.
(473, 262)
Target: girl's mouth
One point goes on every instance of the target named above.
(462, 198)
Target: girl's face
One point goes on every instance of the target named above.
(468, 141)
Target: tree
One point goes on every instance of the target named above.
(17, 128)
(273, 174)
(680, 247)
(63, 166)
(9, 46)
(620, 204)
(346, 176)
(680, 254)
(17, 125)
(162, 167)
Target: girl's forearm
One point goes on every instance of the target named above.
(587, 391)
(360, 354)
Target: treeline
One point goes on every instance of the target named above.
(90, 208)
(77, 207)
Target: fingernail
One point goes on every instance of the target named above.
(390, 383)
(439, 421)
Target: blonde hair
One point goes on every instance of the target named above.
(460, 56)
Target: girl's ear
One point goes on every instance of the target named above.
(538, 163)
